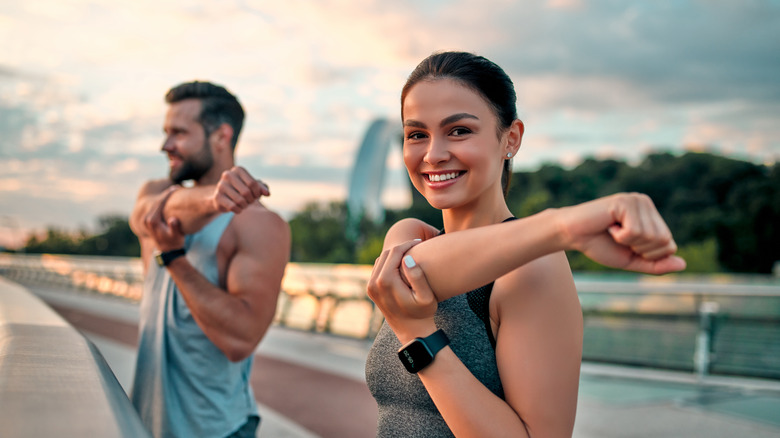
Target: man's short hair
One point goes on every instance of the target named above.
(218, 106)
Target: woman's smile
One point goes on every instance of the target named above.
(441, 179)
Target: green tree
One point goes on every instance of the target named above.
(114, 238)
(56, 241)
(318, 234)
(701, 257)
(722, 212)
(749, 235)
(370, 250)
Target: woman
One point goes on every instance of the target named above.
(483, 328)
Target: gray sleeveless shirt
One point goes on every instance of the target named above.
(184, 385)
(405, 408)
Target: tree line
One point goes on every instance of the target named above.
(113, 238)
(723, 212)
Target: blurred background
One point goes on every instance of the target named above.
(679, 100)
(82, 85)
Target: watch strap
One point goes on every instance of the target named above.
(166, 257)
(436, 341)
(420, 352)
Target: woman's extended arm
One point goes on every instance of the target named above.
(622, 231)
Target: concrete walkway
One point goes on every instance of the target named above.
(312, 385)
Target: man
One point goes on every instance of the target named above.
(214, 258)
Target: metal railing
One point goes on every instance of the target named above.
(315, 297)
(725, 325)
(53, 381)
(715, 324)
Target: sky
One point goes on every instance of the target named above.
(82, 85)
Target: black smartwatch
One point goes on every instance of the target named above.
(419, 352)
(166, 257)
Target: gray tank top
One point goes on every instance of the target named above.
(184, 385)
(405, 408)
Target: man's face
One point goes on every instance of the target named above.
(188, 149)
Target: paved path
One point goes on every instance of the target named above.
(312, 385)
(301, 380)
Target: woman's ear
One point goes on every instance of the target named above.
(514, 137)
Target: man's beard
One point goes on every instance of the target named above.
(195, 167)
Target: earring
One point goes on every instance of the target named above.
(509, 155)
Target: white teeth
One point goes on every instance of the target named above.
(442, 177)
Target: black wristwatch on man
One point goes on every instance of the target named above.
(166, 257)
(419, 352)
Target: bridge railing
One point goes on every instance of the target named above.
(315, 297)
(118, 276)
(725, 325)
(708, 325)
(53, 381)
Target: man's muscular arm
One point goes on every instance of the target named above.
(194, 207)
(236, 317)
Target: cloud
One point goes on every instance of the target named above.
(82, 85)
(564, 4)
(15, 124)
(697, 52)
(8, 72)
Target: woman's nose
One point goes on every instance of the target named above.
(437, 152)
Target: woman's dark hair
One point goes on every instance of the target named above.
(482, 76)
(218, 106)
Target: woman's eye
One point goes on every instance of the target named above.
(460, 131)
(415, 135)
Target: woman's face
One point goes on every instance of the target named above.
(451, 149)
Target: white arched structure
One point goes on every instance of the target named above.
(368, 173)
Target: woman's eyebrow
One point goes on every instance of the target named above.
(414, 124)
(446, 121)
(455, 117)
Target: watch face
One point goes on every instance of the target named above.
(415, 356)
(159, 259)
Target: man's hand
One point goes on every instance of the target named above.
(237, 189)
(166, 234)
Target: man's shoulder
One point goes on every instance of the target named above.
(258, 217)
(257, 228)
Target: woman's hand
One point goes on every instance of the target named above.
(622, 231)
(403, 297)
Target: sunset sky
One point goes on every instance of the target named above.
(82, 85)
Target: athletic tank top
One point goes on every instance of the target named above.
(184, 385)
(405, 407)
